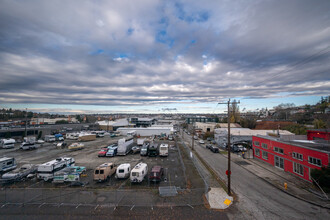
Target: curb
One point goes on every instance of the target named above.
(293, 195)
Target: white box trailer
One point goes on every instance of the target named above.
(7, 164)
(139, 172)
(125, 145)
(7, 143)
(46, 171)
(50, 138)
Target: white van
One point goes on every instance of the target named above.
(7, 143)
(123, 171)
(139, 172)
(163, 150)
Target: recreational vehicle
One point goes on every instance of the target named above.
(18, 174)
(140, 141)
(68, 174)
(153, 150)
(46, 171)
(72, 136)
(50, 138)
(86, 137)
(123, 171)
(156, 174)
(163, 150)
(131, 133)
(104, 171)
(139, 172)
(124, 145)
(76, 146)
(7, 143)
(7, 164)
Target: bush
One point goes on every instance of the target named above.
(322, 177)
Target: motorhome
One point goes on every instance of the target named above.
(163, 150)
(125, 145)
(46, 171)
(104, 171)
(50, 138)
(18, 174)
(7, 164)
(123, 171)
(7, 143)
(153, 150)
(139, 172)
(72, 136)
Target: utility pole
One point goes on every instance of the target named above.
(193, 135)
(26, 122)
(228, 142)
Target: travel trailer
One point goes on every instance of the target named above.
(72, 136)
(104, 171)
(86, 137)
(7, 143)
(140, 141)
(163, 150)
(68, 174)
(7, 164)
(47, 170)
(124, 145)
(139, 172)
(123, 171)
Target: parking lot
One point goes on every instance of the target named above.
(88, 157)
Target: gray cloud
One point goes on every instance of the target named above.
(120, 53)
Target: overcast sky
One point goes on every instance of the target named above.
(148, 55)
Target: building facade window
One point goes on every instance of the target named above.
(298, 168)
(265, 155)
(257, 152)
(314, 161)
(279, 150)
(279, 162)
(263, 145)
(257, 143)
(297, 156)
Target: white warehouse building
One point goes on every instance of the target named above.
(149, 131)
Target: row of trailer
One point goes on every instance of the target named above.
(124, 171)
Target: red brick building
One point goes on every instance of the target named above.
(298, 157)
(318, 134)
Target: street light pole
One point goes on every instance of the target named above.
(25, 122)
(193, 140)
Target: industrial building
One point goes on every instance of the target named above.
(149, 131)
(298, 157)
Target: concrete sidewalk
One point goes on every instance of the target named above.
(296, 187)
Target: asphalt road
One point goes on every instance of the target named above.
(257, 199)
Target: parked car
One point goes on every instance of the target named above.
(214, 149)
(135, 149)
(201, 142)
(208, 146)
(111, 151)
(102, 153)
(156, 174)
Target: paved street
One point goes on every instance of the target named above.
(257, 199)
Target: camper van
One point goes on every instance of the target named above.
(139, 172)
(7, 164)
(163, 150)
(7, 143)
(47, 170)
(123, 171)
(125, 145)
(104, 171)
